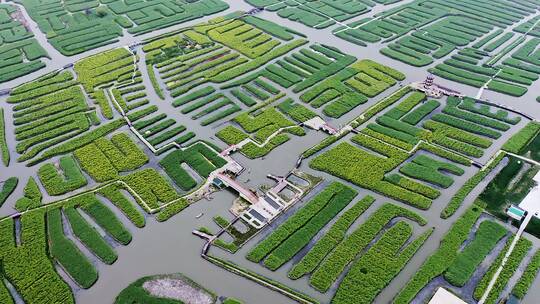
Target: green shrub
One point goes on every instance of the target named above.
(90, 237)
(367, 170)
(231, 135)
(231, 300)
(392, 133)
(94, 162)
(443, 131)
(255, 91)
(257, 62)
(154, 81)
(28, 267)
(512, 263)
(142, 113)
(442, 258)
(383, 104)
(193, 96)
(67, 253)
(295, 222)
(220, 115)
(376, 268)
(221, 221)
(301, 237)
(519, 140)
(481, 120)
(406, 105)
(4, 150)
(8, 187)
(244, 98)
(296, 111)
(507, 88)
(470, 184)
(528, 276)
(57, 183)
(465, 125)
(485, 110)
(199, 157)
(345, 252)
(151, 187)
(78, 142)
(412, 185)
(399, 125)
(122, 152)
(115, 196)
(172, 209)
(104, 217)
(428, 169)
(271, 28)
(330, 240)
(201, 103)
(32, 196)
(486, 237)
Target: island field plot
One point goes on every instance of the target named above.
(468, 256)
(417, 147)
(312, 247)
(227, 50)
(513, 182)
(100, 152)
(512, 76)
(20, 52)
(61, 241)
(319, 14)
(63, 111)
(476, 50)
(530, 27)
(74, 27)
(438, 18)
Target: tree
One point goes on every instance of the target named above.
(101, 11)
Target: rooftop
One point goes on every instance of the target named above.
(443, 296)
(531, 203)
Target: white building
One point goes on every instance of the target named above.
(443, 296)
(531, 203)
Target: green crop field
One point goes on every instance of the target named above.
(310, 151)
(81, 26)
(20, 52)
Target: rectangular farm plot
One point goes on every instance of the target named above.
(76, 28)
(20, 52)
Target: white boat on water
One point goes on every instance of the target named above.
(199, 215)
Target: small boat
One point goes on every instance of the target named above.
(199, 215)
